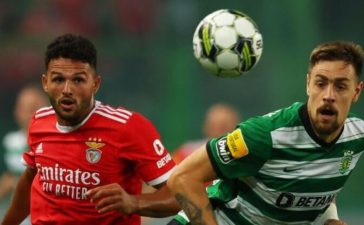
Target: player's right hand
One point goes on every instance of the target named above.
(112, 197)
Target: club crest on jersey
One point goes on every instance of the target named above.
(346, 161)
(93, 154)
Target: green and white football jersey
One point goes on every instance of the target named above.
(274, 170)
(15, 143)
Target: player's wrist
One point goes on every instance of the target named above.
(134, 205)
(330, 216)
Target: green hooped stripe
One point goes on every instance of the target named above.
(206, 39)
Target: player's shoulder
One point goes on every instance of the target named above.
(119, 114)
(44, 112)
(288, 116)
(354, 122)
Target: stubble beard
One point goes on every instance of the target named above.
(326, 129)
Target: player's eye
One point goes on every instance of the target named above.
(320, 83)
(57, 80)
(341, 86)
(78, 80)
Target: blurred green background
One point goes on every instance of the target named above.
(147, 64)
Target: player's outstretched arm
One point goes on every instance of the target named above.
(19, 208)
(159, 203)
(187, 184)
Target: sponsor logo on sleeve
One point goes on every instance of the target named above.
(236, 144)
(158, 147)
(223, 151)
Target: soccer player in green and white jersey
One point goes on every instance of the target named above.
(285, 167)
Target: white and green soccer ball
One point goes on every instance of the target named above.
(227, 43)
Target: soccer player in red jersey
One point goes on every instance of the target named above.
(87, 160)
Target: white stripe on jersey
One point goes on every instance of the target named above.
(45, 111)
(221, 218)
(271, 195)
(354, 129)
(118, 109)
(161, 179)
(323, 168)
(297, 137)
(110, 116)
(117, 114)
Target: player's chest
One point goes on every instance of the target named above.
(86, 151)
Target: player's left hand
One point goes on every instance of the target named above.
(335, 222)
(112, 197)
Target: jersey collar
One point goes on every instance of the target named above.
(67, 129)
(303, 113)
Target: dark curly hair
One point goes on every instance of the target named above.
(71, 46)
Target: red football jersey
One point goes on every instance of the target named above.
(110, 145)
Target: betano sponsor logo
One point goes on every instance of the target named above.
(66, 182)
(289, 200)
(164, 161)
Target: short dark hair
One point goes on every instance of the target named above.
(348, 52)
(71, 46)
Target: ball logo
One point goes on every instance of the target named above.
(93, 154)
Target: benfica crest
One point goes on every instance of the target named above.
(93, 154)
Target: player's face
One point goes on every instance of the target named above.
(71, 86)
(332, 86)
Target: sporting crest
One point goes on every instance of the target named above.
(346, 161)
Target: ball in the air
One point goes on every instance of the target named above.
(227, 43)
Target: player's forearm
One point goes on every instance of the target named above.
(6, 184)
(193, 199)
(157, 204)
(19, 208)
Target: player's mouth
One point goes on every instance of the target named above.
(67, 103)
(327, 113)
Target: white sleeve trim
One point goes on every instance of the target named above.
(162, 178)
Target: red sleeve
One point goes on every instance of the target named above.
(153, 161)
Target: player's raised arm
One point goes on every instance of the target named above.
(187, 184)
(19, 208)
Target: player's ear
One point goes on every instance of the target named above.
(44, 82)
(308, 84)
(97, 83)
(358, 91)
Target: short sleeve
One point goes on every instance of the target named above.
(241, 152)
(152, 159)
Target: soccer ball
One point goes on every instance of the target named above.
(227, 43)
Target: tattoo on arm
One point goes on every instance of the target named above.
(193, 212)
